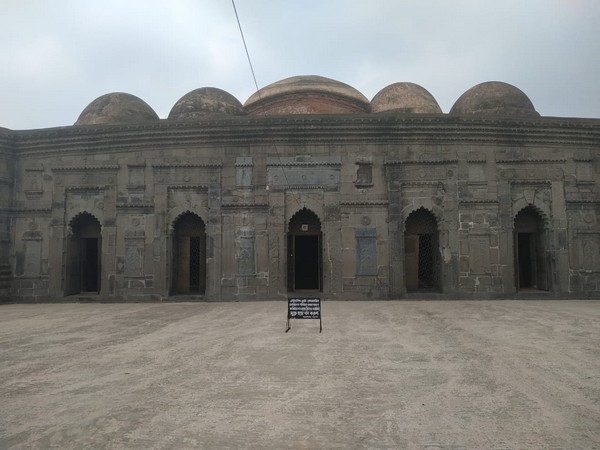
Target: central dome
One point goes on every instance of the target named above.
(307, 95)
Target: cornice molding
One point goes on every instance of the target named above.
(186, 165)
(85, 188)
(187, 186)
(400, 162)
(244, 205)
(114, 167)
(475, 202)
(365, 203)
(309, 129)
(135, 205)
(531, 161)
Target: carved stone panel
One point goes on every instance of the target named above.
(246, 255)
(33, 251)
(34, 186)
(323, 171)
(134, 257)
(479, 254)
(191, 197)
(186, 174)
(589, 252)
(243, 171)
(364, 174)
(366, 251)
(136, 177)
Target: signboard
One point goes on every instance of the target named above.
(304, 308)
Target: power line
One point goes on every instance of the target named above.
(283, 170)
(245, 47)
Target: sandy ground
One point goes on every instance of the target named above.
(423, 375)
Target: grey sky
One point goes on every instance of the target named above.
(58, 56)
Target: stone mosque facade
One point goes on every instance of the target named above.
(308, 188)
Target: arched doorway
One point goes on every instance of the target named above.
(531, 262)
(83, 255)
(421, 252)
(189, 255)
(305, 260)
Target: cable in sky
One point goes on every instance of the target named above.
(245, 47)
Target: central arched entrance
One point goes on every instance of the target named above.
(83, 255)
(189, 255)
(531, 263)
(421, 252)
(305, 250)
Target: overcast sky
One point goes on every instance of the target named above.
(59, 55)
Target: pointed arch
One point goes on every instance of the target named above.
(527, 210)
(305, 216)
(422, 262)
(305, 252)
(435, 212)
(84, 218)
(188, 254)
(532, 258)
(83, 254)
(540, 208)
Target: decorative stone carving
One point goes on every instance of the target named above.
(243, 171)
(304, 171)
(364, 174)
(133, 261)
(366, 251)
(246, 255)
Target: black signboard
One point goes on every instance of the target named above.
(304, 308)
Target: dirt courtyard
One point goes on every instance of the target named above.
(381, 375)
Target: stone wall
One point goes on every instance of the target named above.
(245, 178)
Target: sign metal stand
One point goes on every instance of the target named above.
(304, 308)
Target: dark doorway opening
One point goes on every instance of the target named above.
(306, 275)
(195, 263)
(526, 259)
(426, 266)
(305, 260)
(189, 255)
(83, 256)
(89, 265)
(421, 255)
(532, 261)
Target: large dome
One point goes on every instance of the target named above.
(203, 101)
(405, 97)
(307, 95)
(116, 107)
(495, 98)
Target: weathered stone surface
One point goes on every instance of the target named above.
(205, 101)
(116, 107)
(494, 98)
(405, 98)
(306, 95)
(355, 179)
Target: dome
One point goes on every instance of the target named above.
(307, 95)
(495, 98)
(203, 101)
(116, 107)
(405, 97)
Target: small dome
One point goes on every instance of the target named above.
(203, 101)
(307, 95)
(116, 107)
(495, 98)
(406, 98)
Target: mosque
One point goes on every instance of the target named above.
(308, 188)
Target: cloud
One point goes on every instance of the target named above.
(59, 56)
